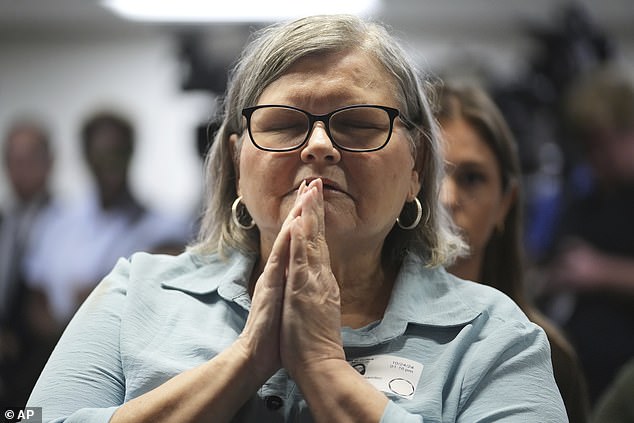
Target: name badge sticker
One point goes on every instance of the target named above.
(390, 374)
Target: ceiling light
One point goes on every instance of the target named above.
(233, 11)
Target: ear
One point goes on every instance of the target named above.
(234, 147)
(509, 198)
(414, 186)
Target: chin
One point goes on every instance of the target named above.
(337, 215)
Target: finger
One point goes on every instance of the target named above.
(309, 267)
(274, 271)
(275, 268)
(313, 211)
(302, 188)
(298, 260)
(297, 206)
(317, 182)
(319, 208)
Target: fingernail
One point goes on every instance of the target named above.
(314, 192)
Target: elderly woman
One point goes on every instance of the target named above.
(316, 292)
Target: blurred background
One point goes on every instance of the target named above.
(62, 59)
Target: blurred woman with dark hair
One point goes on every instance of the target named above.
(482, 192)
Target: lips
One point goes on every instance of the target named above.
(329, 185)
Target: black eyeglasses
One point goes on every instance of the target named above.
(358, 128)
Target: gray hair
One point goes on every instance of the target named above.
(271, 52)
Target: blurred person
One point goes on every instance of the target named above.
(615, 404)
(28, 162)
(483, 194)
(85, 242)
(590, 286)
(316, 291)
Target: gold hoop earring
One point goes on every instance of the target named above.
(235, 216)
(419, 217)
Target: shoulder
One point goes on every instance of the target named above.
(432, 297)
(448, 295)
(140, 279)
(188, 271)
(146, 266)
(487, 299)
(494, 357)
(60, 217)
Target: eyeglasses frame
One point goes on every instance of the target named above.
(393, 113)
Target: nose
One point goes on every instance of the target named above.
(449, 193)
(319, 147)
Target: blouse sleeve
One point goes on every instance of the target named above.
(83, 379)
(511, 380)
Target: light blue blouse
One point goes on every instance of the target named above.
(155, 316)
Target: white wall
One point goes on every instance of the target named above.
(62, 80)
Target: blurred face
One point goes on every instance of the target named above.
(28, 164)
(109, 157)
(611, 154)
(472, 189)
(363, 192)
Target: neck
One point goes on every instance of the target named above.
(110, 200)
(468, 268)
(365, 285)
(24, 201)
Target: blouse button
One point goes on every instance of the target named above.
(273, 402)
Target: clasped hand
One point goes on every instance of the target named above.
(295, 316)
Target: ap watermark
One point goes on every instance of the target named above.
(19, 414)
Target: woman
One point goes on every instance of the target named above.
(481, 191)
(316, 292)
